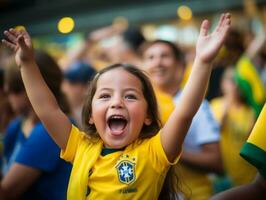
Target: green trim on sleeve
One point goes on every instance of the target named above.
(255, 156)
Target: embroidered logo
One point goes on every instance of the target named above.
(126, 171)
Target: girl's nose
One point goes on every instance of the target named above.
(117, 102)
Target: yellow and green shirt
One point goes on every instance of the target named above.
(254, 150)
(136, 172)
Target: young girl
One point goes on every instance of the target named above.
(122, 157)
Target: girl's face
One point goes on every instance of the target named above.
(119, 109)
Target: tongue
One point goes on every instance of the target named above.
(117, 126)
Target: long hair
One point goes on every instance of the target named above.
(53, 76)
(169, 189)
(51, 73)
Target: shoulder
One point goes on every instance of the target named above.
(40, 136)
(14, 124)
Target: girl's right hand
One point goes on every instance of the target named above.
(20, 42)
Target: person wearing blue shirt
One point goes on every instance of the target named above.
(32, 168)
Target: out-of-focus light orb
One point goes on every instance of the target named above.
(65, 25)
(20, 27)
(184, 12)
(120, 21)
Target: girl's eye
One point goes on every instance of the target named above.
(104, 96)
(130, 96)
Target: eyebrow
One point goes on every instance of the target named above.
(124, 90)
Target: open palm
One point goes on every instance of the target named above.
(20, 42)
(208, 45)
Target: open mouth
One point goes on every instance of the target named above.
(117, 124)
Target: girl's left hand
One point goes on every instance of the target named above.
(20, 42)
(208, 45)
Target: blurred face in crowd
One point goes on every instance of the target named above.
(161, 64)
(19, 102)
(228, 84)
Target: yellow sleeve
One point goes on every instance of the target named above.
(75, 137)
(258, 134)
(157, 154)
(254, 150)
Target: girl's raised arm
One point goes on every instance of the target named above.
(208, 45)
(40, 96)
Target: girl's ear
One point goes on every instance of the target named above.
(91, 121)
(147, 121)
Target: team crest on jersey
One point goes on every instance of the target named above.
(126, 171)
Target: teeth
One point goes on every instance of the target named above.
(117, 117)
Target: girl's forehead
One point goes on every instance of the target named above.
(119, 76)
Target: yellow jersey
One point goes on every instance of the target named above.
(136, 172)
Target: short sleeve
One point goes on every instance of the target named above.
(157, 154)
(254, 150)
(39, 150)
(75, 138)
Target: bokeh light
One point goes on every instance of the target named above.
(184, 12)
(20, 27)
(66, 25)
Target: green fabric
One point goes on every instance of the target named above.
(247, 92)
(106, 151)
(255, 156)
(250, 84)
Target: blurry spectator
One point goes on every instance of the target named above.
(237, 53)
(108, 45)
(164, 63)
(75, 85)
(123, 46)
(254, 152)
(32, 166)
(228, 56)
(6, 112)
(236, 119)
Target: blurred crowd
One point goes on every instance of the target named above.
(210, 161)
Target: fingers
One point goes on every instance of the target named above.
(14, 32)
(21, 42)
(10, 36)
(204, 29)
(224, 22)
(24, 33)
(16, 37)
(9, 44)
(217, 29)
